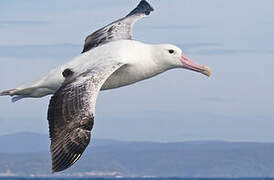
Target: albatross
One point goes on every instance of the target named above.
(110, 59)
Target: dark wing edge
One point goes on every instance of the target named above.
(71, 114)
(143, 8)
(117, 30)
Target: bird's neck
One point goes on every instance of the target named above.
(149, 62)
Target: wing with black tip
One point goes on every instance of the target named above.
(118, 30)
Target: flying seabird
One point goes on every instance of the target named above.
(110, 59)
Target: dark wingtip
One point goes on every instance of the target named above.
(143, 8)
(62, 160)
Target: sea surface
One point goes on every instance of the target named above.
(124, 178)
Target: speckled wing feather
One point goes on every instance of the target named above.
(71, 113)
(120, 29)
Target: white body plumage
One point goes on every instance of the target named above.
(141, 62)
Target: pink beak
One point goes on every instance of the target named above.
(190, 65)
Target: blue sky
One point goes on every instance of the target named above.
(234, 38)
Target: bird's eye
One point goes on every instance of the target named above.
(171, 51)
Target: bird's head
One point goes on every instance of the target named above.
(173, 57)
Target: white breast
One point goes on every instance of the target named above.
(139, 65)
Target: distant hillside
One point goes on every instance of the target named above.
(109, 157)
(24, 142)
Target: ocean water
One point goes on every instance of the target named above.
(124, 178)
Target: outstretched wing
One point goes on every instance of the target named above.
(71, 113)
(120, 29)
